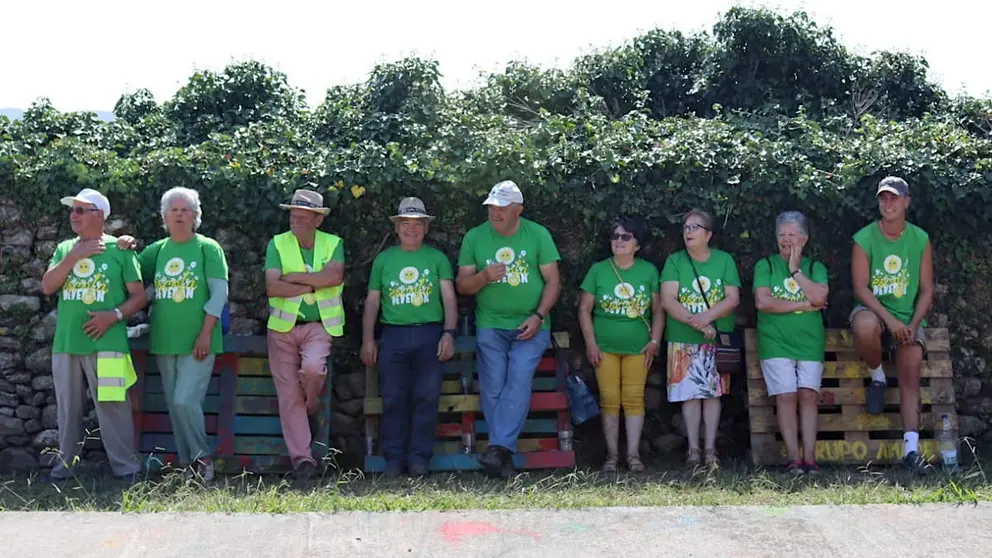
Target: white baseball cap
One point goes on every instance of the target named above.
(91, 196)
(503, 194)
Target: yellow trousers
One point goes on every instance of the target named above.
(621, 381)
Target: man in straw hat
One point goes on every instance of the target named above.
(511, 265)
(98, 286)
(418, 334)
(304, 272)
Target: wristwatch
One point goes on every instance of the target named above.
(793, 274)
(120, 315)
(452, 332)
(539, 314)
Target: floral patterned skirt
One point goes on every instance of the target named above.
(692, 373)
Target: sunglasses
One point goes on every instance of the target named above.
(622, 236)
(81, 210)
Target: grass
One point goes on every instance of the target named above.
(735, 484)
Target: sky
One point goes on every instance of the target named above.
(85, 55)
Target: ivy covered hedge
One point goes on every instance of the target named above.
(768, 112)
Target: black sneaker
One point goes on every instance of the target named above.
(916, 464)
(417, 469)
(305, 470)
(811, 468)
(875, 399)
(507, 470)
(795, 468)
(492, 461)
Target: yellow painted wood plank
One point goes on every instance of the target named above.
(840, 340)
(764, 420)
(857, 370)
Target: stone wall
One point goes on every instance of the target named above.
(27, 325)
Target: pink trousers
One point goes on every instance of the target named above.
(298, 362)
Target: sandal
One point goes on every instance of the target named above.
(610, 465)
(692, 458)
(635, 464)
(712, 461)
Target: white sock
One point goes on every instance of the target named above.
(911, 442)
(878, 375)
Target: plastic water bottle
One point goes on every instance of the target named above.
(948, 438)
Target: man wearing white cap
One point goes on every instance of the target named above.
(892, 276)
(98, 286)
(304, 272)
(511, 265)
(419, 315)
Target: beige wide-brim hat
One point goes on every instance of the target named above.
(411, 208)
(307, 199)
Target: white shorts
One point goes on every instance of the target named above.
(784, 375)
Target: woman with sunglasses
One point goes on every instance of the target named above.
(622, 321)
(700, 288)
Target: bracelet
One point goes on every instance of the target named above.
(452, 332)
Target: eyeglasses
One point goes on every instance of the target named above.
(622, 236)
(81, 210)
(693, 227)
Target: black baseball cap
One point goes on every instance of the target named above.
(893, 184)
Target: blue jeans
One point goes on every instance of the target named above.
(506, 376)
(410, 385)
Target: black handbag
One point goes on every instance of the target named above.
(729, 344)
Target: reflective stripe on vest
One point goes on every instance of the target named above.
(114, 374)
(283, 312)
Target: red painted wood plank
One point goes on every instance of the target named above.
(548, 401)
(227, 363)
(547, 364)
(448, 430)
(549, 460)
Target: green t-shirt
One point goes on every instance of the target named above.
(894, 267)
(618, 318)
(96, 283)
(179, 273)
(308, 308)
(715, 274)
(508, 302)
(795, 335)
(410, 284)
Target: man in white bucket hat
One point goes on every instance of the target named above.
(98, 287)
(418, 334)
(304, 272)
(510, 264)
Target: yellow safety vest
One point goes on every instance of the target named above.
(284, 311)
(114, 374)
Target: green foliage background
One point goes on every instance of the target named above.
(766, 112)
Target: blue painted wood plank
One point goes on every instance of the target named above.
(257, 425)
(153, 384)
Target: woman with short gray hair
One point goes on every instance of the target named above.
(790, 291)
(189, 274)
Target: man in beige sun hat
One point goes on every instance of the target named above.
(419, 315)
(304, 272)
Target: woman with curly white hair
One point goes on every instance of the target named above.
(189, 275)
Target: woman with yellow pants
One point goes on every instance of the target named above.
(622, 322)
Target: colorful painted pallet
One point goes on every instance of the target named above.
(847, 434)
(462, 431)
(241, 411)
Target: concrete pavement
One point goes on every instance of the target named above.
(899, 531)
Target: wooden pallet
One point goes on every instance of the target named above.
(241, 411)
(462, 432)
(847, 434)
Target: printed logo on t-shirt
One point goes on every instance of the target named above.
(517, 270)
(789, 291)
(86, 283)
(413, 286)
(626, 301)
(892, 279)
(692, 297)
(176, 281)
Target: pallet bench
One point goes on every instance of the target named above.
(462, 431)
(847, 434)
(241, 411)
